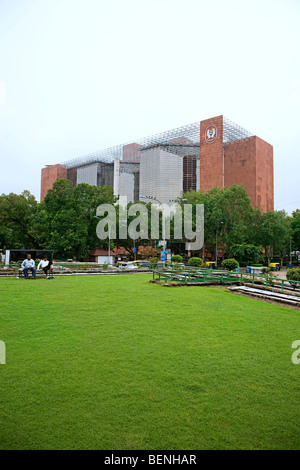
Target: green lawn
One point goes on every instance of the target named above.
(114, 362)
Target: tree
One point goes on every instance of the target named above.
(246, 253)
(274, 234)
(295, 226)
(66, 221)
(229, 217)
(17, 215)
(133, 217)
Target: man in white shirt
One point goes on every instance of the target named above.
(27, 264)
(46, 265)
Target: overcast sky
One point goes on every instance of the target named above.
(78, 76)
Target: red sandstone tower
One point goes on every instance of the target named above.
(229, 155)
(49, 175)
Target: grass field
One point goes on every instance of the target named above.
(114, 362)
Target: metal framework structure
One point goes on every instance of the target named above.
(233, 132)
(182, 141)
(189, 134)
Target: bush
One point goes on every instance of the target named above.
(230, 264)
(293, 274)
(176, 259)
(195, 262)
(83, 267)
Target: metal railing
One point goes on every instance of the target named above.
(200, 275)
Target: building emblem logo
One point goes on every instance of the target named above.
(211, 134)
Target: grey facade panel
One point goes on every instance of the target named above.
(161, 174)
(87, 174)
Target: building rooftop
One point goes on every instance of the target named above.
(179, 141)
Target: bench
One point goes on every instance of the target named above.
(39, 273)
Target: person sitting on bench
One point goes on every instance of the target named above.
(46, 265)
(27, 264)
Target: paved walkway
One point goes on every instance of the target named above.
(269, 295)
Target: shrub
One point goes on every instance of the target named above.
(230, 264)
(293, 274)
(153, 260)
(176, 259)
(195, 261)
(271, 280)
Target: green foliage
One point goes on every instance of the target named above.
(228, 215)
(274, 234)
(231, 220)
(293, 274)
(295, 225)
(246, 254)
(230, 264)
(195, 261)
(129, 243)
(17, 215)
(176, 259)
(66, 220)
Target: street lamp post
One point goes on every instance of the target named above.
(163, 222)
(217, 244)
